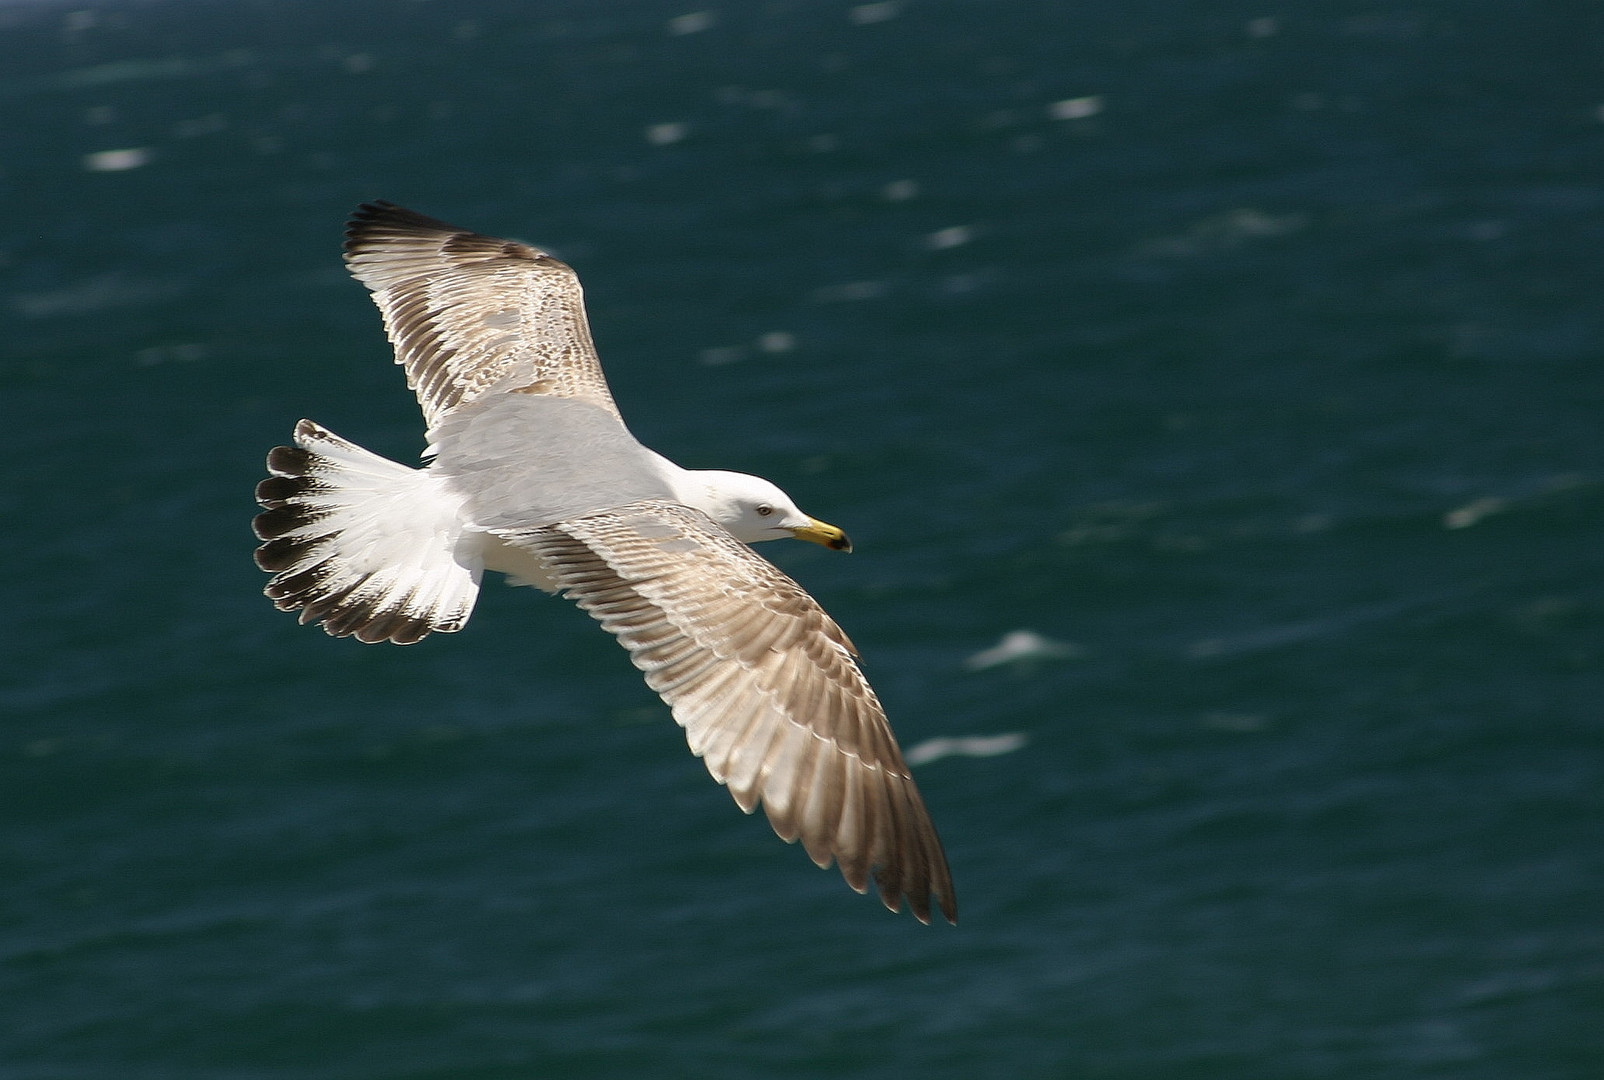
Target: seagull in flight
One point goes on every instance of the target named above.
(531, 473)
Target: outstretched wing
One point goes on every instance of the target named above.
(764, 684)
(471, 315)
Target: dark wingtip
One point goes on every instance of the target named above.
(893, 892)
(363, 217)
(383, 215)
(922, 912)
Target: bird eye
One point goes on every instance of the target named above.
(765, 510)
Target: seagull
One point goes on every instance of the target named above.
(531, 473)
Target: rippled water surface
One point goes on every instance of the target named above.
(1247, 356)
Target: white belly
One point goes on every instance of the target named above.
(519, 564)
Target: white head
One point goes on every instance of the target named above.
(753, 509)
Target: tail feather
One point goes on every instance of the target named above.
(364, 545)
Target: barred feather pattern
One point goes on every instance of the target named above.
(471, 315)
(365, 546)
(764, 684)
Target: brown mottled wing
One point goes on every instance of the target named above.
(764, 684)
(471, 315)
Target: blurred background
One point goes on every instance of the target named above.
(1212, 391)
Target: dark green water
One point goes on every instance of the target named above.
(1267, 372)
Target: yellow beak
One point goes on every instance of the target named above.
(817, 532)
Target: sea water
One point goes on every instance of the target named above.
(1212, 393)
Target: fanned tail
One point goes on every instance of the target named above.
(361, 544)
